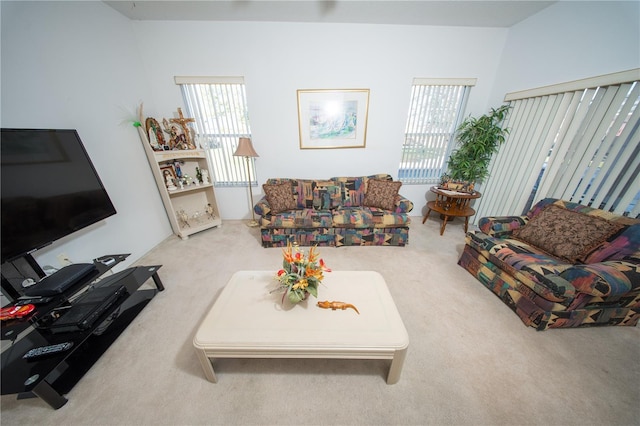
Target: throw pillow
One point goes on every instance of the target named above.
(280, 197)
(564, 233)
(381, 194)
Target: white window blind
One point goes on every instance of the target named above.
(435, 111)
(219, 106)
(577, 141)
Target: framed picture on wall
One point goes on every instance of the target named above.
(330, 118)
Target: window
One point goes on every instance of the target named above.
(435, 111)
(577, 141)
(219, 106)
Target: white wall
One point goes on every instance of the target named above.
(82, 65)
(277, 59)
(76, 65)
(569, 41)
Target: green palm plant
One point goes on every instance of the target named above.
(478, 139)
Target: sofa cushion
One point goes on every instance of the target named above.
(326, 195)
(382, 218)
(300, 218)
(564, 233)
(280, 197)
(352, 217)
(355, 188)
(381, 194)
(368, 217)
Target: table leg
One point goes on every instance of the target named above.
(396, 366)
(207, 366)
(49, 395)
(157, 281)
(444, 224)
(466, 224)
(426, 216)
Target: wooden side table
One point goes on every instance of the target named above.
(451, 204)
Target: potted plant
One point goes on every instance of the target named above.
(478, 139)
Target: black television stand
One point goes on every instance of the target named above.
(51, 377)
(24, 266)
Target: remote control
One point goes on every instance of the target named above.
(47, 350)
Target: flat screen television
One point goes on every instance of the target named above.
(50, 189)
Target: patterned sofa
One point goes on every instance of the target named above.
(340, 211)
(560, 265)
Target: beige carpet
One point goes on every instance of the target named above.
(471, 361)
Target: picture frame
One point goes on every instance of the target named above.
(177, 135)
(155, 134)
(333, 118)
(168, 169)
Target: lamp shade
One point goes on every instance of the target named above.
(245, 149)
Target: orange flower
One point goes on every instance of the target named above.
(317, 273)
(324, 266)
(312, 255)
(288, 253)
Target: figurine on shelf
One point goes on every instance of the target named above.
(210, 212)
(199, 174)
(196, 217)
(176, 164)
(183, 218)
(184, 133)
(169, 181)
(205, 176)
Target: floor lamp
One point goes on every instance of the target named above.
(245, 149)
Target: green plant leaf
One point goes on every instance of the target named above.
(478, 139)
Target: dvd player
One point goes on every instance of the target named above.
(90, 307)
(61, 280)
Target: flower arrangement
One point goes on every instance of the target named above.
(300, 274)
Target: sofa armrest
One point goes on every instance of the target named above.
(262, 208)
(501, 226)
(403, 205)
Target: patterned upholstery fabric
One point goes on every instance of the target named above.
(279, 197)
(625, 247)
(548, 292)
(566, 234)
(331, 212)
(501, 226)
(302, 218)
(381, 194)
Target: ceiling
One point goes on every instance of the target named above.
(473, 13)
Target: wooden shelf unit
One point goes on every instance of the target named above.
(193, 199)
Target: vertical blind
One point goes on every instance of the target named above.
(435, 111)
(577, 141)
(219, 106)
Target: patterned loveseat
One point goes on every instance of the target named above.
(340, 211)
(560, 265)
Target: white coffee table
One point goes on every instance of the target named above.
(248, 322)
